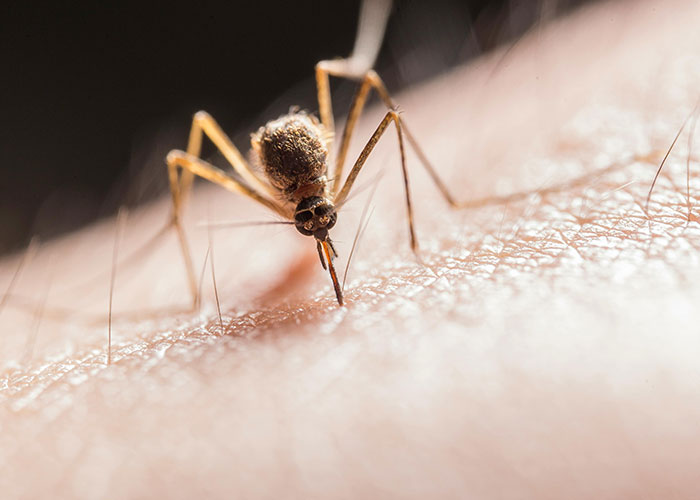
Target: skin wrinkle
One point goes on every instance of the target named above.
(555, 333)
(535, 250)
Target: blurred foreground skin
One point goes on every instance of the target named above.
(547, 349)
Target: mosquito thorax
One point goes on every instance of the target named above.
(314, 216)
(293, 152)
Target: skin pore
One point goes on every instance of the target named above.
(546, 347)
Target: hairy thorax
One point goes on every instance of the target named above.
(293, 151)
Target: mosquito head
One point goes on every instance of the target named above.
(314, 216)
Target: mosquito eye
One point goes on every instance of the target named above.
(331, 222)
(303, 216)
(321, 210)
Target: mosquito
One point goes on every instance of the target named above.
(295, 152)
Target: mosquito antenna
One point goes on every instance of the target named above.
(213, 279)
(121, 222)
(360, 230)
(663, 162)
(29, 254)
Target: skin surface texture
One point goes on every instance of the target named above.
(546, 346)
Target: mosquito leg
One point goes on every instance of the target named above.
(180, 161)
(433, 172)
(323, 89)
(370, 33)
(204, 124)
(370, 80)
(390, 117)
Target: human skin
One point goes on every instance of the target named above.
(545, 346)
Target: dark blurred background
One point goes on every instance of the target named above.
(94, 95)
